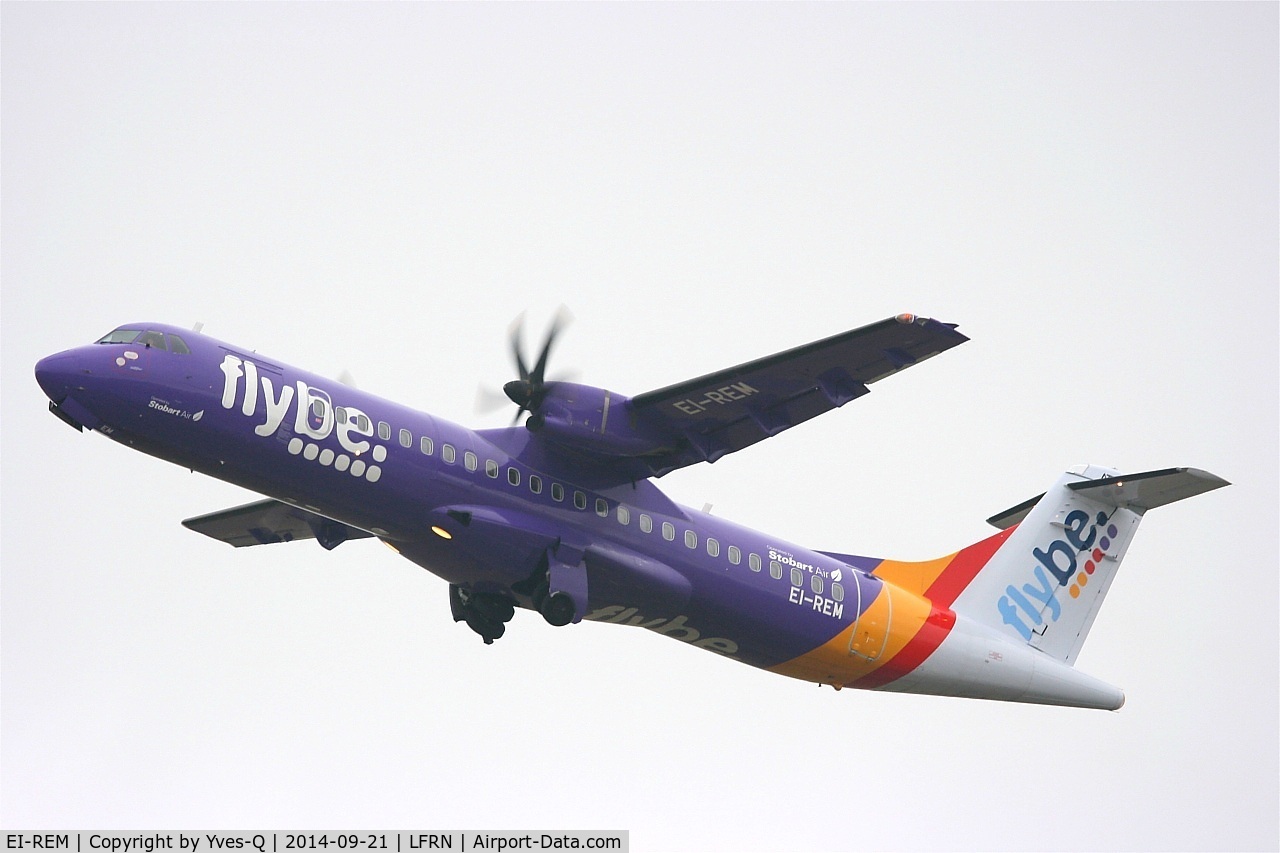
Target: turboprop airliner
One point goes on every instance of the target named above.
(561, 515)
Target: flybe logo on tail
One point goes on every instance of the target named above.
(1058, 565)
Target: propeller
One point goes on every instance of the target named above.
(531, 388)
(489, 401)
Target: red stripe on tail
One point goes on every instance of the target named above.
(961, 571)
(958, 574)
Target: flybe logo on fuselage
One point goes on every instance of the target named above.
(677, 628)
(1057, 566)
(315, 418)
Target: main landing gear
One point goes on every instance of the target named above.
(557, 608)
(560, 607)
(488, 613)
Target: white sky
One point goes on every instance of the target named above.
(1090, 191)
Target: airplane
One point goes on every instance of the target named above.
(561, 515)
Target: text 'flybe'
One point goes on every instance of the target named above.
(1057, 567)
(314, 418)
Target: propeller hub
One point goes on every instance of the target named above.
(519, 391)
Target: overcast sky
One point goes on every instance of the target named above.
(1089, 191)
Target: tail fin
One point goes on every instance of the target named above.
(1046, 582)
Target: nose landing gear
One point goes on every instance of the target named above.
(484, 613)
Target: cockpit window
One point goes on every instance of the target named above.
(151, 339)
(121, 336)
(154, 340)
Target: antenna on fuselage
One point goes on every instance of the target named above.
(197, 327)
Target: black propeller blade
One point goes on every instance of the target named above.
(531, 388)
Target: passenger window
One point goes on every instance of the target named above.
(406, 440)
(713, 547)
(668, 531)
(384, 431)
(815, 583)
(317, 408)
(469, 459)
(690, 539)
(775, 570)
(602, 507)
(624, 515)
(535, 484)
(837, 592)
(448, 454)
(427, 446)
(178, 345)
(153, 340)
(364, 425)
(754, 561)
(491, 468)
(557, 492)
(580, 500)
(341, 415)
(797, 577)
(513, 476)
(735, 555)
(646, 523)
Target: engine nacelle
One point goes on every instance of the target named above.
(582, 417)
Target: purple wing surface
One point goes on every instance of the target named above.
(607, 439)
(270, 521)
(723, 412)
(703, 419)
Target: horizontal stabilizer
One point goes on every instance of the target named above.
(270, 521)
(1141, 492)
(1014, 514)
(1138, 492)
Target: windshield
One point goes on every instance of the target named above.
(150, 339)
(121, 336)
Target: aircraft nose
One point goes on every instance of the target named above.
(55, 375)
(60, 376)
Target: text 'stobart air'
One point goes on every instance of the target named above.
(561, 516)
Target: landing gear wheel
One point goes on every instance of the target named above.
(484, 613)
(557, 609)
(493, 608)
(487, 629)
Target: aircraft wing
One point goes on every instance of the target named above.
(270, 521)
(722, 412)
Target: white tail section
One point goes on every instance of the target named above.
(1048, 580)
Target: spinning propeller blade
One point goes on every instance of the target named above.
(531, 388)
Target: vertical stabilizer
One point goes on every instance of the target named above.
(1046, 583)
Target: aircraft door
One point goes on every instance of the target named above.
(871, 626)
